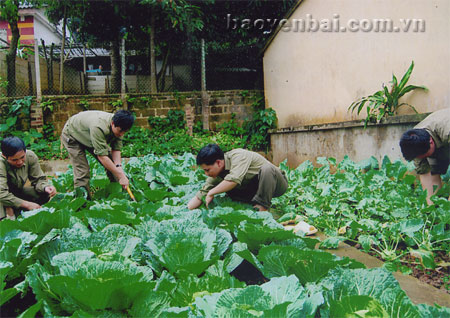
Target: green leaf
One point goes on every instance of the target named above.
(178, 180)
(255, 235)
(366, 241)
(150, 304)
(31, 311)
(426, 257)
(186, 246)
(377, 283)
(332, 242)
(307, 265)
(357, 306)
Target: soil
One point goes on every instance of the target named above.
(16, 305)
(439, 277)
(249, 274)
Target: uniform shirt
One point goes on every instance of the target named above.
(13, 179)
(93, 129)
(240, 167)
(437, 125)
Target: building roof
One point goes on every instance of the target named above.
(23, 4)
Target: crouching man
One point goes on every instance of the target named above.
(244, 175)
(428, 144)
(17, 165)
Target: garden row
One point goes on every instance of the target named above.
(112, 257)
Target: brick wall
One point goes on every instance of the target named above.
(222, 104)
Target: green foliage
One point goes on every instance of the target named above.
(232, 127)
(48, 106)
(12, 114)
(3, 85)
(84, 104)
(385, 102)
(113, 257)
(258, 127)
(173, 121)
(49, 132)
(380, 206)
(118, 104)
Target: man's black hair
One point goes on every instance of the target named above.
(209, 154)
(414, 142)
(12, 145)
(123, 119)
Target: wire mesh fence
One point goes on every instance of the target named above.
(98, 71)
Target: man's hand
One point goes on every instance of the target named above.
(51, 190)
(194, 203)
(30, 205)
(208, 199)
(124, 182)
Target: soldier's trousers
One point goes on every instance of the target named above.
(270, 182)
(80, 164)
(28, 194)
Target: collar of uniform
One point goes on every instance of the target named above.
(437, 140)
(226, 170)
(227, 162)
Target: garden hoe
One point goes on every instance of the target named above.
(131, 194)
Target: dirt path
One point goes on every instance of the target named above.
(419, 292)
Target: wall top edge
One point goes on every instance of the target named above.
(394, 120)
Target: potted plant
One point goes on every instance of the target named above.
(385, 102)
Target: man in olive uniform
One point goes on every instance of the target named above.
(101, 134)
(428, 145)
(17, 165)
(244, 176)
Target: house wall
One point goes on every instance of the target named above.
(33, 24)
(313, 77)
(45, 31)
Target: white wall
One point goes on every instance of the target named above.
(44, 30)
(312, 77)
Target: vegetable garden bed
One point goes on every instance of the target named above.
(111, 257)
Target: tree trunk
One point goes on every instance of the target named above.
(115, 67)
(11, 59)
(153, 81)
(61, 65)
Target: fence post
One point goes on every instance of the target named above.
(36, 114)
(205, 96)
(84, 70)
(38, 71)
(122, 75)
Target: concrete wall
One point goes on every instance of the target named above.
(72, 81)
(340, 139)
(312, 77)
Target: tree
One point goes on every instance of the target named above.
(9, 11)
(57, 11)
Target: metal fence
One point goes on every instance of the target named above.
(91, 71)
